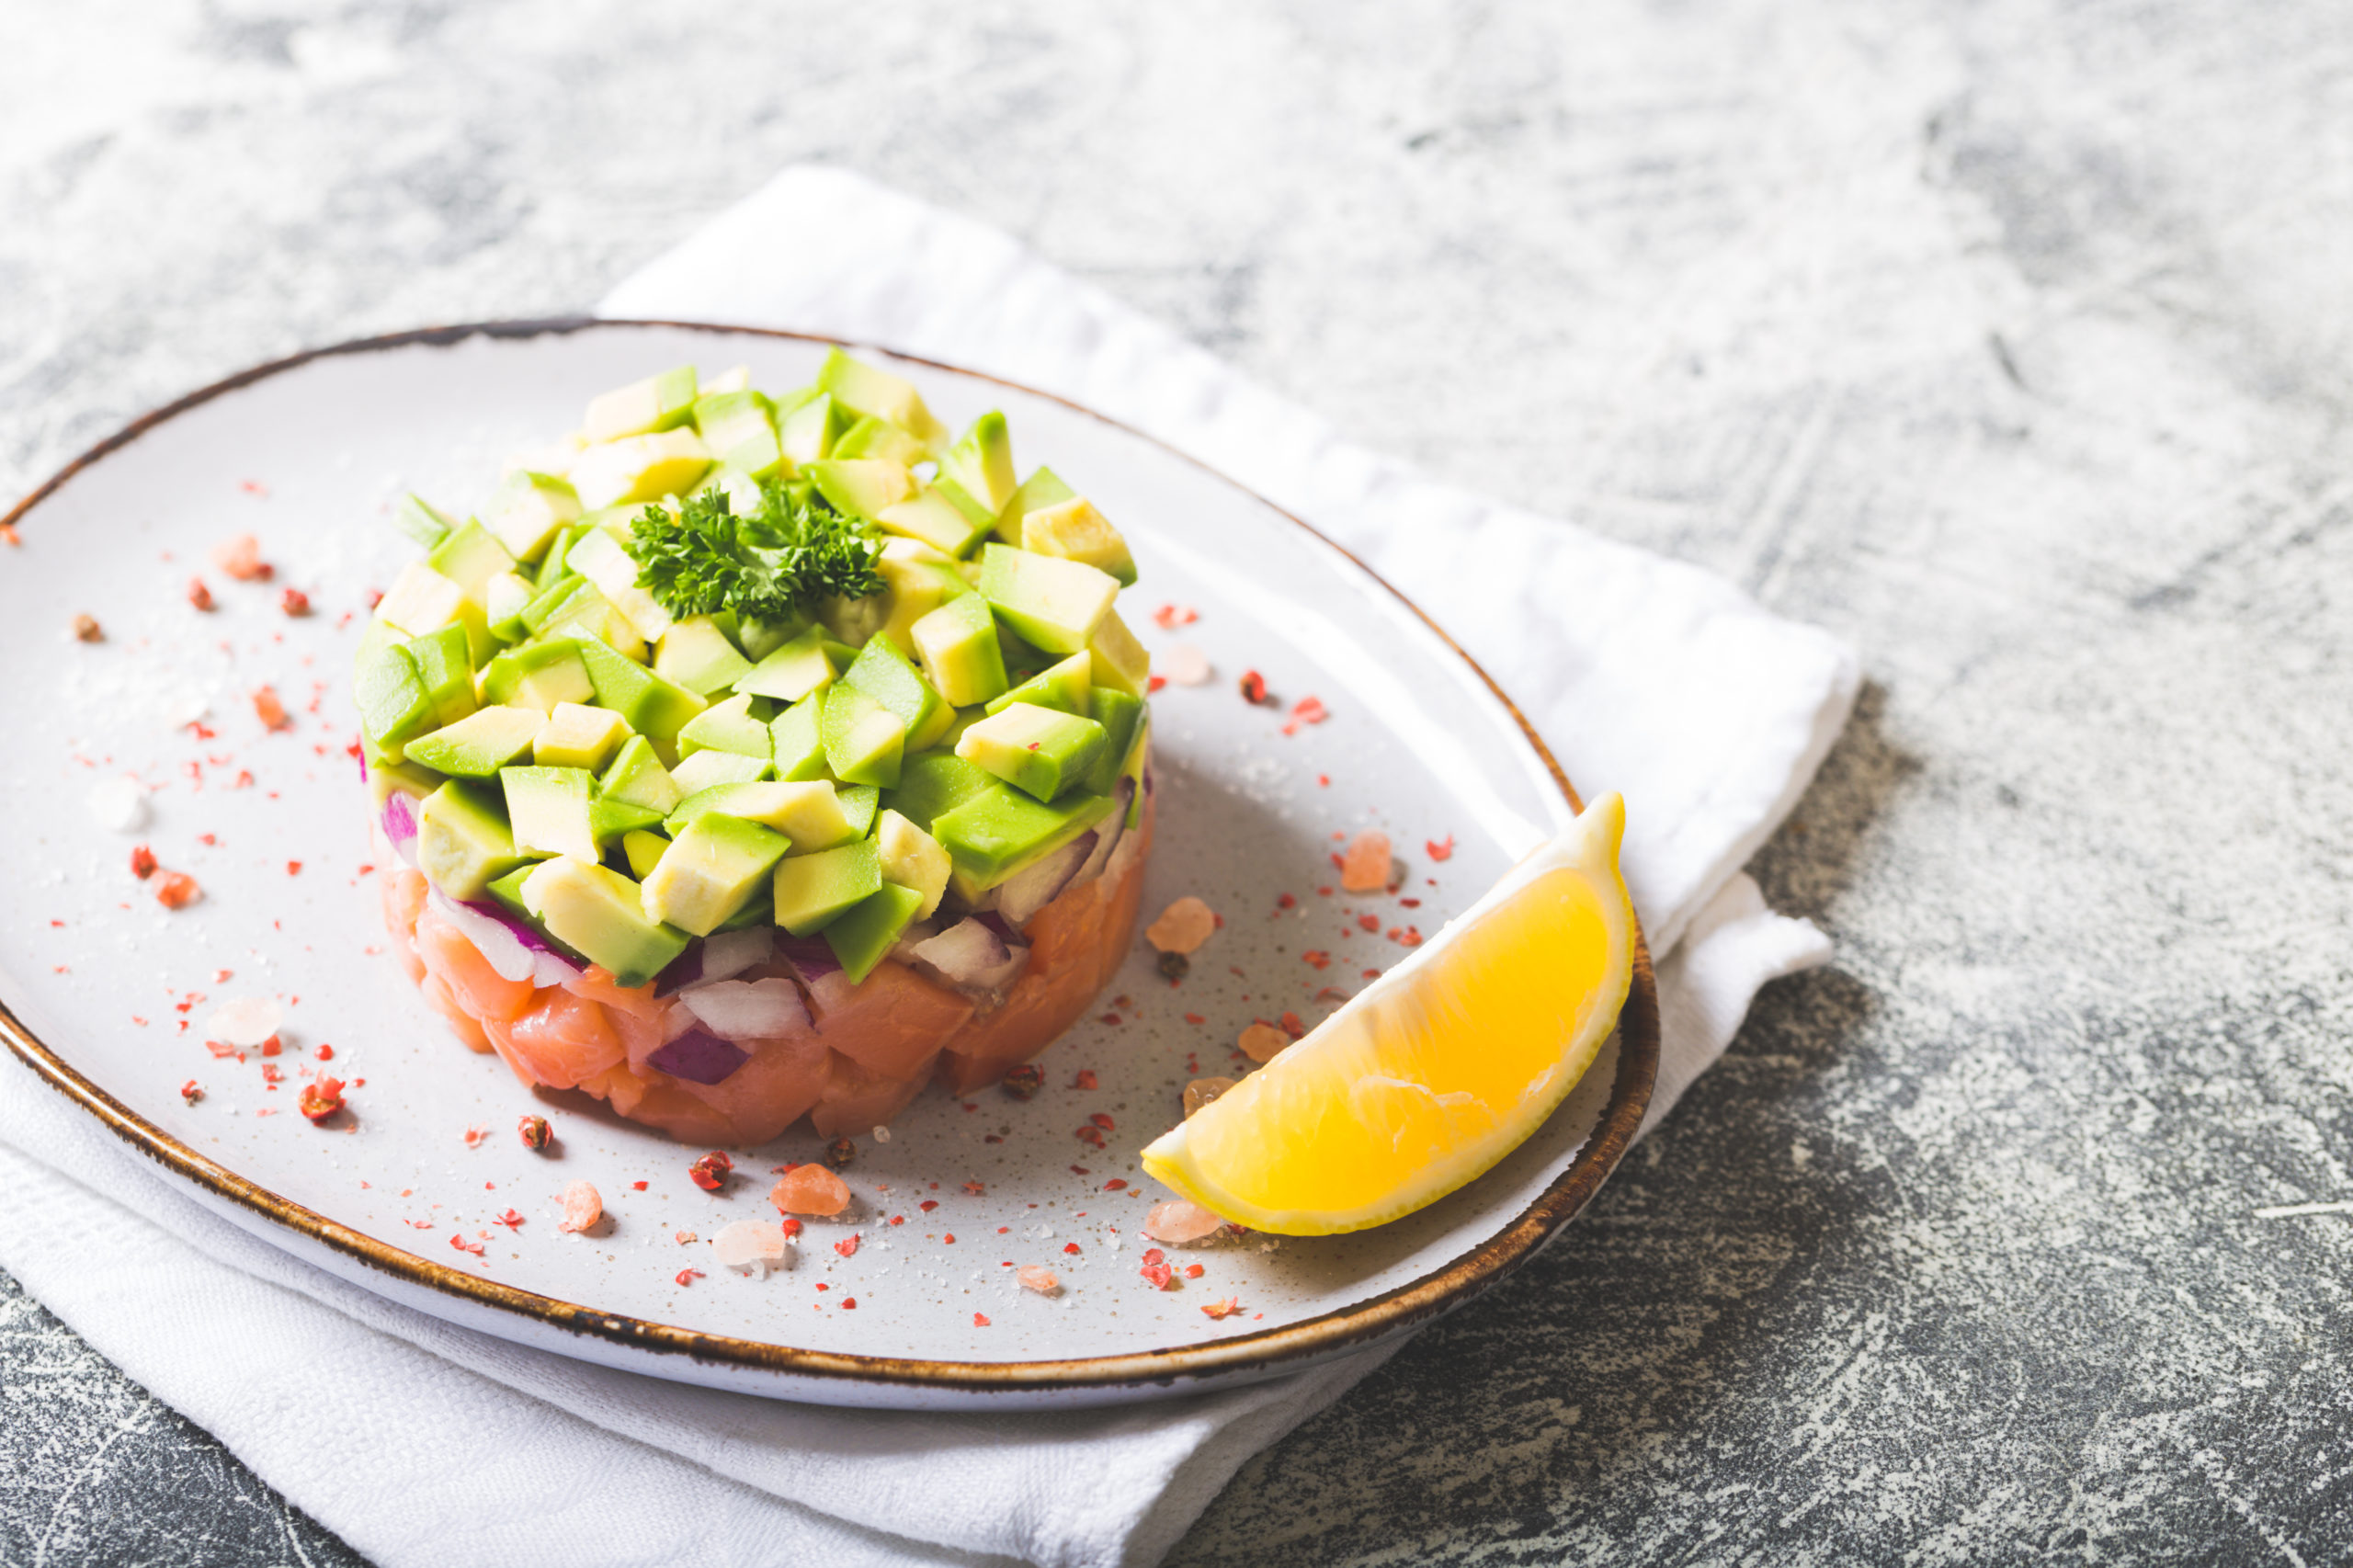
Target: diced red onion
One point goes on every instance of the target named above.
(1109, 832)
(1027, 891)
(490, 935)
(685, 969)
(810, 957)
(972, 956)
(757, 1009)
(699, 1058)
(400, 819)
(726, 954)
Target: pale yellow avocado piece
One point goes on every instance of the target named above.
(639, 468)
(657, 402)
(865, 389)
(598, 556)
(808, 812)
(1076, 531)
(529, 510)
(913, 858)
(1117, 659)
(577, 737)
(504, 595)
(420, 600)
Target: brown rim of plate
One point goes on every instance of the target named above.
(1268, 1351)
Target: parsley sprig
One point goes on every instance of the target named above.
(794, 552)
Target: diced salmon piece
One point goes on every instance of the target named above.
(438, 996)
(857, 1101)
(769, 1092)
(478, 988)
(560, 1040)
(597, 985)
(892, 1025)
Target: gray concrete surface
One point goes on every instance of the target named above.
(2008, 339)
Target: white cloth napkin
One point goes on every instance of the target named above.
(423, 1444)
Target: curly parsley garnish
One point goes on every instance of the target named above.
(794, 552)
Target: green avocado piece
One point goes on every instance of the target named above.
(883, 674)
(980, 466)
(1122, 716)
(1042, 489)
(421, 521)
(793, 671)
(726, 726)
(1056, 605)
(934, 783)
(808, 431)
(540, 675)
(613, 820)
(813, 815)
(577, 737)
(529, 511)
(708, 770)
(470, 556)
(711, 869)
(958, 645)
(697, 655)
(462, 840)
(548, 809)
(1000, 830)
(658, 402)
(859, 802)
(548, 596)
(601, 915)
(445, 664)
(421, 600)
(758, 639)
(1066, 688)
(638, 778)
(931, 515)
(1040, 750)
(872, 437)
(504, 599)
(865, 389)
(740, 429)
(655, 708)
(644, 851)
(507, 894)
(865, 742)
(913, 858)
(1120, 662)
(588, 615)
(1074, 530)
(797, 742)
(862, 935)
(479, 745)
(1133, 767)
(862, 487)
(394, 706)
(811, 890)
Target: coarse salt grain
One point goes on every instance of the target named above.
(120, 805)
(750, 1247)
(1263, 1042)
(1183, 927)
(244, 1021)
(1044, 1281)
(1187, 665)
(1366, 866)
(582, 1207)
(1181, 1222)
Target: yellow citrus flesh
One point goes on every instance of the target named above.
(1423, 1081)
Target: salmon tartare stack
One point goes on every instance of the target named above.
(754, 757)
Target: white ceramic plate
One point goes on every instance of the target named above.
(306, 454)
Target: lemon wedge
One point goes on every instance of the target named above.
(1425, 1079)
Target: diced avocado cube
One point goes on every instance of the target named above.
(916, 580)
(462, 840)
(1138, 755)
(587, 616)
(865, 742)
(445, 664)
(503, 598)
(644, 851)
(1074, 530)
(697, 655)
(862, 487)
(540, 675)
(706, 769)
(387, 779)
(872, 437)
(610, 820)
(577, 736)
(1121, 716)
(883, 674)
(980, 466)
(601, 914)
(793, 671)
(740, 429)
(809, 431)
(657, 402)
(735, 380)
(859, 802)
(395, 707)
(420, 600)
(638, 778)
(913, 858)
(812, 889)
(652, 706)
(758, 639)
(797, 742)
(711, 869)
(598, 556)
(1042, 489)
(931, 517)
(958, 645)
(548, 597)
(529, 510)
(506, 892)
(547, 809)
(814, 815)
(726, 726)
(934, 783)
(1066, 688)
(1000, 830)
(639, 468)
(1120, 662)
(471, 557)
(861, 937)
(1040, 750)
(865, 389)
(478, 745)
(421, 521)
(1056, 605)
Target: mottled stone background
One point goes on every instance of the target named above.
(2008, 338)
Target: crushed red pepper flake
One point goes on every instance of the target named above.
(295, 603)
(1103, 1121)
(848, 1246)
(928, 1204)
(1117, 1184)
(1091, 1134)
(1307, 710)
(142, 864)
(1193, 1271)
(1439, 849)
(1070, 1247)
(850, 1303)
(199, 595)
(459, 1240)
(1195, 1019)
(688, 1276)
(191, 1091)
(176, 890)
(1085, 1079)
(1224, 1309)
(270, 709)
(949, 1240)
(975, 1189)
(1316, 958)
(294, 868)
(1254, 688)
(511, 1219)
(980, 1320)
(712, 1171)
(321, 1100)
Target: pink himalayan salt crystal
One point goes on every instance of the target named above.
(240, 556)
(1041, 1280)
(1181, 1222)
(582, 1207)
(1186, 665)
(244, 1021)
(1365, 868)
(747, 1246)
(810, 1189)
(1263, 1042)
(1182, 927)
